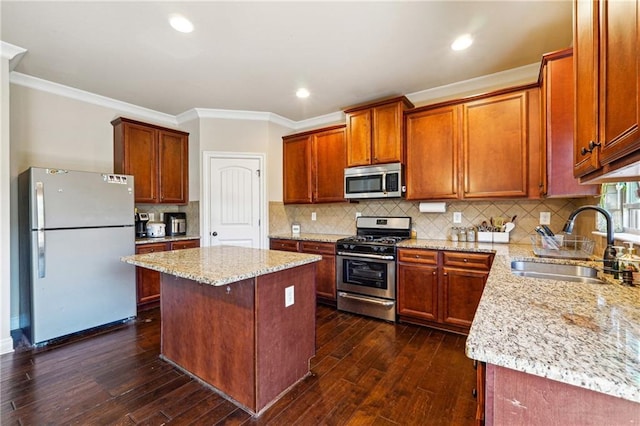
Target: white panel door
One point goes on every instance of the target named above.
(234, 202)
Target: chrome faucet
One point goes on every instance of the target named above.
(609, 255)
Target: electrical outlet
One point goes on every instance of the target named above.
(313, 216)
(457, 217)
(545, 218)
(152, 217)
(288, 296)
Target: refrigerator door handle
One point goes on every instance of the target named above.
(40, 227)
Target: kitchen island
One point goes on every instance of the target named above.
(238, 319)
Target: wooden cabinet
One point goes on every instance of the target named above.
(495, 146)
(607, 83)
(463, 278)
(556, 83)
(157, 157)
(478, 148)
(148, 281)
(375, 132)
(433, 153)
(325, 269)
(418, 284)
(313, 166)
(440, 289)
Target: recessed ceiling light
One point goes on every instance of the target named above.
(462, 42)
(302, 93)
(180, 23)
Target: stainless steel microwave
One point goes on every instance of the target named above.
(380, 181)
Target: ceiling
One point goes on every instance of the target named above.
(253, 56)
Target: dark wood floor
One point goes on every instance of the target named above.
(365, 372)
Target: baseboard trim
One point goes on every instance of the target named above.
(6, 345)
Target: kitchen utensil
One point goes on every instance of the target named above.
(509, 226)
(548, 230)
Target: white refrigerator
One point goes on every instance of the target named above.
(74, 227)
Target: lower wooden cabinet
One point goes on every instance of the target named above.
(441, 289)
(325, 269)
(148, 281)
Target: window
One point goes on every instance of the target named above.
(622, 200)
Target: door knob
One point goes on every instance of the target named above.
(214, 233)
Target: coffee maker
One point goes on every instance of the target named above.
(176, 223)
(141, 224)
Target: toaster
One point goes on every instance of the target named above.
(155, 229)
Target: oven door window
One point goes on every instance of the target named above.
(364, 184)
(365, 273)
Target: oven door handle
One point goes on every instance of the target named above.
(366, 256)
(385, 303)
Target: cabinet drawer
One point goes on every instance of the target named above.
(186, 244)
(418, 256)
(151, 248)
(467, 260)
(285, 245)
(318, 248)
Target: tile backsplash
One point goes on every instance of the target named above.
(339, 218)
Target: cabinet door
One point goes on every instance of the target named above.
(417, 282)
(186, 244)
(418, 291)
(173, 167)
(359, 138)
(558, 115)
(329, 152)
(585, 56)
(387, 134)
(325, 269)
(432, 146)
(140, 159)
(297, 170)
(619, 79)
(148, 281)
(461, 290)
(495, 146)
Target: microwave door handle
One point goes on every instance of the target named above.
(384, 182)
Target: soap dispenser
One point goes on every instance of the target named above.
(630, 265)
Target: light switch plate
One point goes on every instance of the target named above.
(313, 216)
(457, 217)
(545, 218)
(288, 296)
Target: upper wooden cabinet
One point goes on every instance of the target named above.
(433, 151)
(495, 146)
(313, 166)
(157, 157)
(375, 132)
(556, 83)
(606, 38)
(478, 148)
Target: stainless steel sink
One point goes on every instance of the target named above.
(556, 271)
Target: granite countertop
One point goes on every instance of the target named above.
(587, 335)
(326, 238)
(220, 265)
(166, 239)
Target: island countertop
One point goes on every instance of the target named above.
(220, 265)
(586, 335)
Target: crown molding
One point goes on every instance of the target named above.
(509, 78)
(513, 77)
(91, 98)
(12, 53)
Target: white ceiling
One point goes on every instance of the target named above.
(254, 55)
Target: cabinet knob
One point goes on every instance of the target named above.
(592, 145)
(465, 260)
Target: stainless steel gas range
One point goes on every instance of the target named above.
(366, 266)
